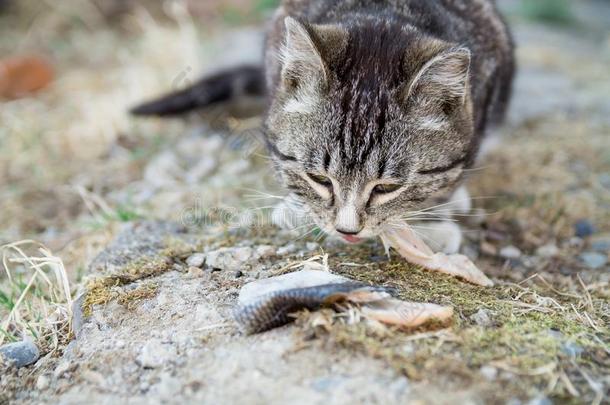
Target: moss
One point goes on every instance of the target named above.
(102, 290)
(524, 340)
(131, 298)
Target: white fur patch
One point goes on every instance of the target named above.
(432, 123)
(303, 103)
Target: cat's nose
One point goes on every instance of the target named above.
(347, 221)
(348, 231)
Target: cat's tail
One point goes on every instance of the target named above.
(220, 87)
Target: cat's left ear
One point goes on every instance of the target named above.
(444, 78)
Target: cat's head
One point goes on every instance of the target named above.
(369, 122)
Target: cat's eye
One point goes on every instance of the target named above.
(386, 188)
(320, 179)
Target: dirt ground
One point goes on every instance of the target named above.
(124, 203)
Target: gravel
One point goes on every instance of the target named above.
(593, 260)
(510, 252)
(584, 228)
(196, 260)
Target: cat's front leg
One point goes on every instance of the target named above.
(441, 236)
(445, 235)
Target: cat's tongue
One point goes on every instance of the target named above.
(352, 239)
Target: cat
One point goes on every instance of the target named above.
(376, 108)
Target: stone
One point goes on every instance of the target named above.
(42, 382)
(510, 252)
(196, 260)
(233, 258)
(489, 372)
(286, 250)
(601, 243)
(547, 251)
(593, 260)
(155, 354)
(540, 401)
(488, 249)
(584, 228)
(20, 354)
(265, 251)
(63, 368)
(195, 272)
(311, 246)
(482, 317)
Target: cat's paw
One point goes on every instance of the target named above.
(442, 236)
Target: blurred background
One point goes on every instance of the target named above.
(73, 162)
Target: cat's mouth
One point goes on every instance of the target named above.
(352, 238)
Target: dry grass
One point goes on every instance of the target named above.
(36, 298)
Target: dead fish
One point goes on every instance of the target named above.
(274, 309)
(412, 248)
(260, 312)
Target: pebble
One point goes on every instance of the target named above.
(482, 317)
(286, 250)
(489, 372)
(63, 368)
(488, 249)
(229, 258)
(155, 354)
(548, 251)
(593, 260)
(510, 252)
(540, 401)
(601, 243)
(311, 246)
(195, 272)
(584, 228)
(265, 251)
(20, 354)
(196, 260)
(42, 383)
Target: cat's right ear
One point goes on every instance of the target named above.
(301, 59)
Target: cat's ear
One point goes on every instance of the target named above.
(307, 52)
(444, 78)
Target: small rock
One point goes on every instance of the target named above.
(229, 258)
(510, 252)
(547, 251)
(196, 260)
(155, 354)
(482, 317)
(20, 354)
(593, 260)
(42, 383)
(311, 246)
(584, 228)
(489, 372)
(195, 272)
(540, 401)
(63, 368)
(265, 251)
(286, 250)
(239, 274)
(601, 243)
(488, 249)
